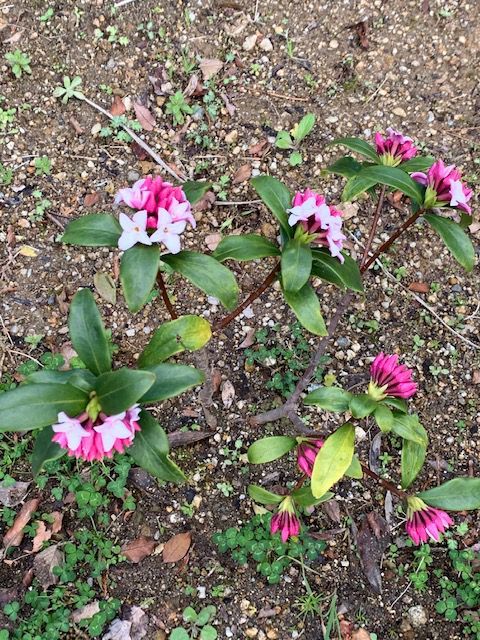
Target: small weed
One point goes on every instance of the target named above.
(178, 107)
(48, 15)
(41, 205)
(6, 175)
(7, 116)
(292, 140)
(43, 166)
(115, 128)
(19, 62)
(69, 89)
(197, 625)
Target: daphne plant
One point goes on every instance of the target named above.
(93, 412)
(151, 241)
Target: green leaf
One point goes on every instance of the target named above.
(304, 497)
(421, 163)
(270, 448)
(395, 178)
(304, 127)
(208, 633)
(295, 159)
(384, 418)
(262, 496)
(33, 406)
(333, 459)
(207, 274)
(455, 239)
(296, 265)
(45, 450)
(283, 140)
(277, 198)
(93, 230)
(179, 633)
(346, 274)
(413, 457)
(81, 378)
(87, 333)
(355, 469)
(359, 146)
(245, 247)
(206, 614)
(189, 614)
(362, 405)
(118, 390)
(306, 307)
(171, 380)
(346, 167)
(459, 494)
(138, 271)
(330, 398)
(397, 403)
(465, 220)
(195, 190)
(150, 451)
(356, 185)
(408, 427)
(185, 333)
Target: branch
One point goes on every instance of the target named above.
(164, 293)
(385, 483)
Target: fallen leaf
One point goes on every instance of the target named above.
(11, 240)
(138, 151)
(91, 199)
(85, 612)
(76, 126)
(27, 578)
(160, 82)
(27, 251)
(249, 338)
(360, 634)
(133, 627)
(372, 539)
(361, 30)
(57, 523)
(14, 535)
(231, 108)
(242, 174)
(146, 119)
(42, 535)
(13, 494)
(228, 394)
(210, 67)
(138, 549)
(44, 564)
(216, 380)
(177, 547)
(183, 438)
(105, 286)
(388, 507)
(15, 37)
(476, 376)
(191, 87)
(213, 240)
(332, 509)
(346, 628)
(259, 149)
(374, 453)
(419, 287)
(117, 108)
(205, 203)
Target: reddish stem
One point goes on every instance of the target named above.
(166, 299)
(385, 483)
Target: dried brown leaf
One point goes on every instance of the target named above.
(105, 286)
(332, 509)
(44, 564)
(228, 394)
(57, 522)
(419, 287)
(14, 535)
(249, 339)
(476, 376)
(372, 540)
(231, 108)
(13, 494)
(118, 107)
(184, 438)
(210, 67)
(259, 149)
(91, 199)
(191, 87)
(242, 174)
(86, 612)
(177, 547)
(205, 203)
(138, 549)
(213, 240)
(15, 37)
(144, 116)
(42, 535)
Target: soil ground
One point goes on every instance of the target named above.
(413, 66)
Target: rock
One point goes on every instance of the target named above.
(251, 632)
(133, 176)
(266, 44)
(249, 42)
(398, 111)
(417, 616)
(333, 44)
(231, 137)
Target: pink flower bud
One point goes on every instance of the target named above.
(394, 148)
(424, 522)
(389, 378)
(307, 451)
(444, 187)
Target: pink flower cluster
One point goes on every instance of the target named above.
(394, 148)
(161, 208)
(444, 187)
(285, 520)
(317, 219)
(307, 451)
(96, 439)
(389, 378)
(424, 522)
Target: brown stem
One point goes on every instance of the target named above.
(166, 299)
(373, 228)
(385, 483)
(224, 322)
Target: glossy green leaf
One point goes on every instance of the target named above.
(355, 470)
(171, 380)
(346, 167)
(356, 185)
(343, 275)
(245, 247)
(465, 220)
(207, 274)
(420, 163)
(329, 398)
(359, 146)
(413, 458)
(150, 451)
(303, 128)
(44, 450)
(459, 494)
(395, 178)
(362, 405)
(397, 403)
(296, 265)
(81, 378)
(455, 239)
(93, 230)
(270, 448)
(185, 333)
(87, 333)
(333, 459)
(304, 497)
(32, 406)
(262, 496)
(306, 307)
(138, 271)
(118, 390)
(384, 418)
(195, 190)
(408, 427)
(277, 198)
